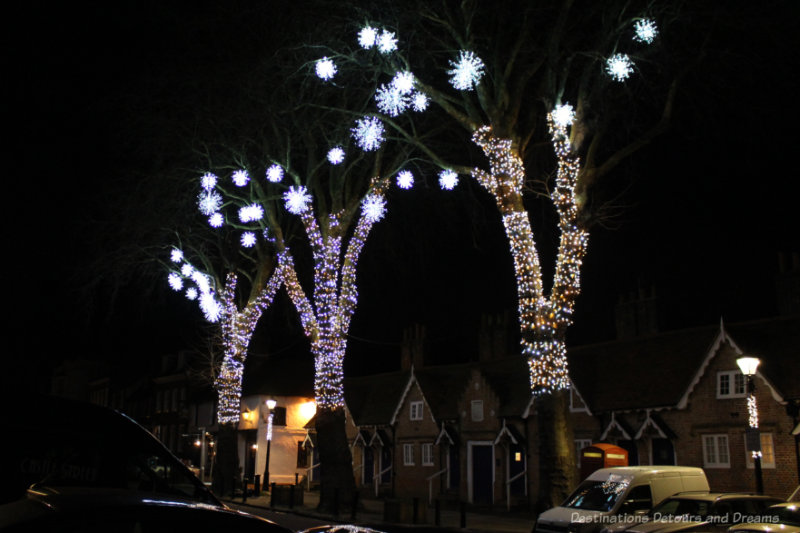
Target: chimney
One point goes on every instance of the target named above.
(637, 314)
(412, 351)
(493, 336)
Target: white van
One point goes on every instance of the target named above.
(612, 496)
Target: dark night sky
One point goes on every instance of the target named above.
(705, 220)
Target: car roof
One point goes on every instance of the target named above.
(715, 496)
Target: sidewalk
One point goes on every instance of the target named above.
(371, 511)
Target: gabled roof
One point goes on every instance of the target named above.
(373, 400)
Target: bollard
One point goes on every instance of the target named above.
(415, 510)
(272, 495)
(437, 512)
(291, 496)
(296, 478)
(354, 509)
(463, 513)
(257, 486)
(244, 490)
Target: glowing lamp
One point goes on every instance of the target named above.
(748, 365)
(271, 404)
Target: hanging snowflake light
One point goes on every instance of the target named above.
(176, 255)
(208, 181)
(419, 101)
(368, 133)
(248, 239)
(563, 115)
(240, 178)
(367, 37)
(191, 293)
(175, 281)
(405, 179)
(325, 69)
(335, 155)
(275, 173)
(216, 220)
(209, 202)
(373, 207)
(210, 306)
(250, 213)
(297, 200)
(448, 179)
(646, 31)
(403, 82)
(387, 42)
(467, 71)
(391, 100)
(201, 280)
(187, 270)
(619, 67)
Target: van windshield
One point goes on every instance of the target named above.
(598, 495)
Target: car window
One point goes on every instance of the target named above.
(638, 499)
(672, 507)
(595, 495)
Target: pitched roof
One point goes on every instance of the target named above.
(372, 400)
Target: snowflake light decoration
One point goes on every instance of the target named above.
(368, 133)
(466, 72)
(240, 178)
(391, 100)
(367, 37)
(373, 207)
(325, 69)
(448, 179)
(297, 200)
(248, 239)
(209, 202)
(403, 82)
(386, 42)
(335, 155)
(646, 31)
(176, 255)
(250, 213)
(210, 306)
(216, 220)
(201, 280)
(405, 179)
(208, 181)
(175, 281)
(187, 270)
(563, 115)
(275, 173)
(619, 67)
(191, 293)
(419, 101)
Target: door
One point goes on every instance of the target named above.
(516, 466)
(482, 469)
(369, 464)
(663, 452)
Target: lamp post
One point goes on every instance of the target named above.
(749, 366)
(270, 405)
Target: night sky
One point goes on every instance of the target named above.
(703, 223)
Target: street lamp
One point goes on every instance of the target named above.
(749, 366)
(270, 405)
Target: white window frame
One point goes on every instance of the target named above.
(579, 445)
(476, 411)
(716, 443)
(767, 459)
(427, 454)
(408, 454)
(731, 377)
(415, 410)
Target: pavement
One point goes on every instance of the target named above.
(371, 511)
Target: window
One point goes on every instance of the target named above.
(767, 452)
(279, 416)
(715, 451)
(579, 445)
(408, 454)
(415, 412)
(731, 384)
(477, 410)
(302, 455)
(427, 454)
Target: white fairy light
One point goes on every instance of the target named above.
(187, 270)
(210, 306)
(248, 239)
(175, 281)
(250, 213)
(216, 220)
(209, 202)
(646, 31)
(467, 71)
(387, 42)
(201, 280)
(619, 67)
(403, 82)
(240, 178)
(191, 293)
(176, 255)
(448, 179)
(563, 115)
(374, 207)
(297, 199)
(367, 37)
(368, 133)
(335, 155)
(208, 181)
(325, 69)
(275, 173)
(419, 101)
(405, 179)
(391, 100)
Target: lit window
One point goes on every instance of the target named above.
(415, 412)
(427, 454)
(731, 384)
(477, 410)
(767, 452)
(408, 454)
(715, 451)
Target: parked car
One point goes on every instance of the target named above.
(609, 494)
(698, 511)
(781, 517)
(382, 528)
